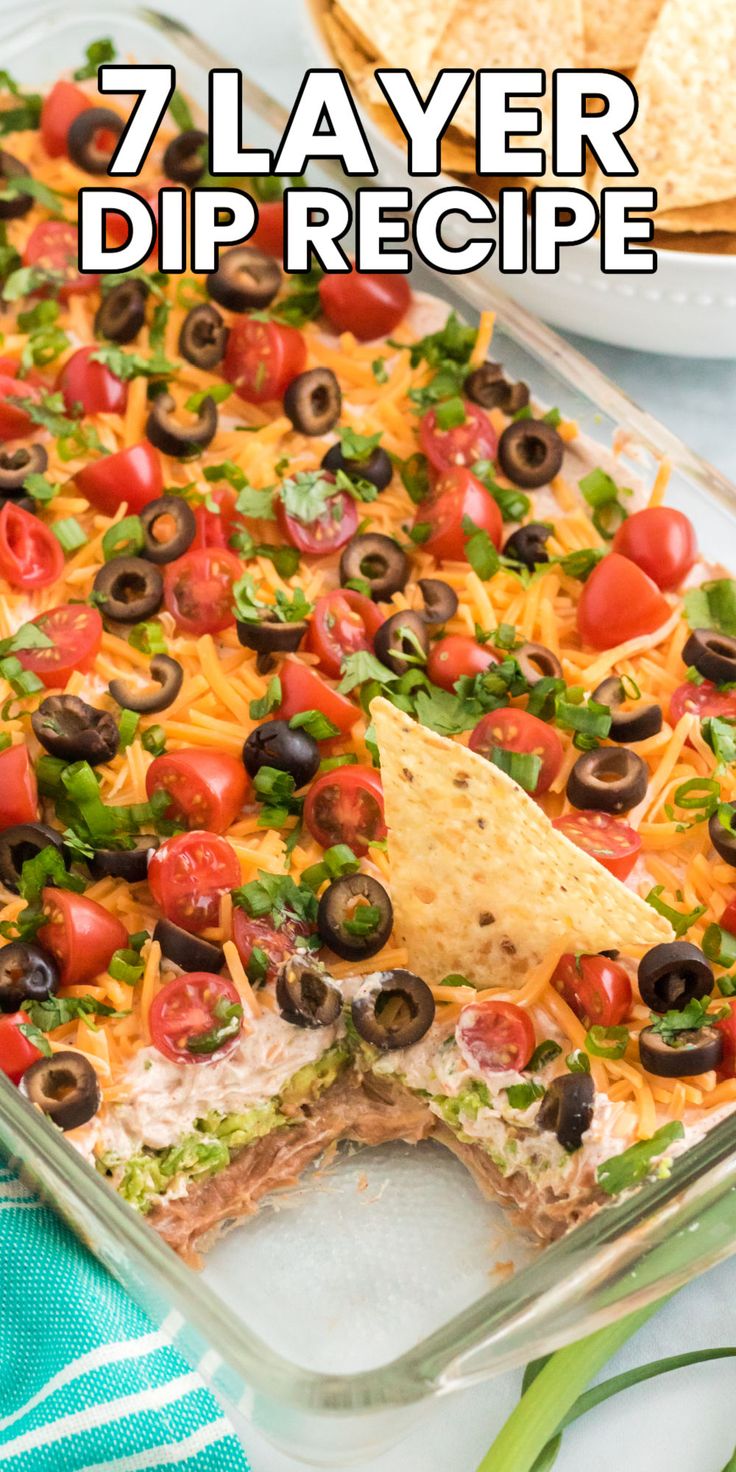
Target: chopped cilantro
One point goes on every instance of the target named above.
(268, 702)
(97, 54)
(712, 606)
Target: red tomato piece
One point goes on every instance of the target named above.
(276, 945)
(81, 934)
(326, 533)
(63, 104)
(89, 387)
(75, 632)
(446, 449)
(346, 806)
(609, 840)
(728, 918)
(198, 589)
(17, 1052)
(207, 787)
(495, 1037)
(619, 602)
(54, 246)
(14, 421)
(516, 730)
(18, 790)
(727, 1029)
(702, 700)
(269, 232)
(262, 358)
(597, 989)
(368, 304)
(133, 475)
(30, 554)
(661, 541)
(189, 874)
(191, 1013)
(342, 623)
(457, 494)
(457, 655)
(302, 689)
(215, 528)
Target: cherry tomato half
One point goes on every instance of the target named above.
(302, 689)
(81, 934)
(269, 232)
(262, 358)
(727, 1029)
(346, 806)
(454, 656)
(91, 385)
(207, 787)
(516, 730)
(18, 791)
(728, 918)
(190, 1012)
(342, 623)
(495, 1037)
(17, 1052)
(198, 589)
(609, 840)
(368, 304)
(259, 935)
(215, 528)
(63, 104)
(619, 602)
(133, 475)
(457, 494)
(446, 449)
(54, 245)
(14, 422)
(30, 554)
(597, 989)
(75, 632)
(335, 527)
(661, 541)
(189, 874)
(702, 700)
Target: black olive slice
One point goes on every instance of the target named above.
(182, 440)
(183, 159)
(28, 973)
(15, 465)
(270, 636)
(245, 278)
(169, 528)
(83, 142)
(610, 779)
(15, 205)
(168, 676)
(530, 453)
(70, 728)
(695, 1051)
(393, 1009)
(21, 842)
(398, 636)
(306, 994)
(203, 337)
(627, 725)
(567, 1109)
(64, 1087)
(672, 974)
(337, 912)
(130, 588)
(377, 560)
(274, 744)
(440, 600)
(527, 544)
(488, 387)
(377, 468)
(723, 840)
(121, 314)
(189, 952)
(712, 654)
(537, 662)
(313, 401)
(126, 863)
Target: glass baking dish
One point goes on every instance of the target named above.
(333, 1317)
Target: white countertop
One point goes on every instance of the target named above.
(684, 1422)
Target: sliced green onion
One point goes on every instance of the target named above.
(522, 766)
(154, 740)
(128, 727)
(49, 771)
(83, 790)
(698, 792)
(578, 1061)
(592, 719)
(449, 414)
(607, 1042)
(69, 533)
(125, 539)
(719, 945)
(679, 921)
(126, 966)
(149, 638)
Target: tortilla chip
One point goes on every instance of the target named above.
(615, 33)
(481, 882)
(684, 137)
(702, 219)
(399, 32)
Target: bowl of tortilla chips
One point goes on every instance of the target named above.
(680, 56)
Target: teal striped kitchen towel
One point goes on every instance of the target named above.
(87, 1383)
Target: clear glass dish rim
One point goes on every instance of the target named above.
(427, 1368)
